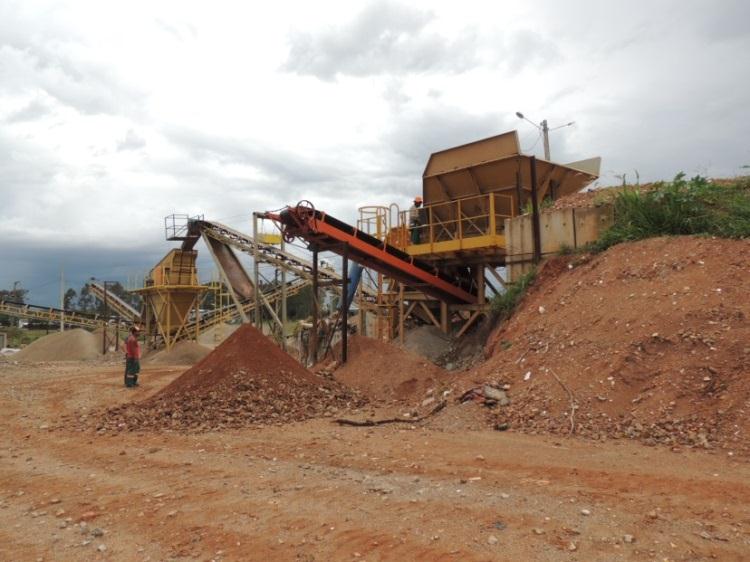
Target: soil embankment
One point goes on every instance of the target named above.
(649, 340)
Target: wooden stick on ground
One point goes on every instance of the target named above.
(370, 423)
(572, 401)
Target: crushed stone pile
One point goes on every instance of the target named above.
(183, 353)
(216, 334)
(427, 341)
(649, 340)
(246, 381)
(384, 371)
(70, 345)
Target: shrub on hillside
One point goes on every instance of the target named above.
(694, 206)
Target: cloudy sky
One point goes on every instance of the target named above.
(116, 114)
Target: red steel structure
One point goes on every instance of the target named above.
(325, 232)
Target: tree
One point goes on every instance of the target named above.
(16, 294)
(69, 299)
(86, 300)
(299, 306)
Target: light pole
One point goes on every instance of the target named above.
(545, 131)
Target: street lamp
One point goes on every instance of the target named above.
(545, 131)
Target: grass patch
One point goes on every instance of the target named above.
(680, 207)
(505, 303)
(20, 337)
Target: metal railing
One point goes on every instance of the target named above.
(469, 217)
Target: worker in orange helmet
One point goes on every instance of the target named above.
(415, 220)
(132, 358)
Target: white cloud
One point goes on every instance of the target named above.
(116, 115)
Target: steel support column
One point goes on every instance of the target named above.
(344, 301)
(537, 231)
(313, 352)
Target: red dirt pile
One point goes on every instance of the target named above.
(649, 340)
(383, 371)
(246, 381)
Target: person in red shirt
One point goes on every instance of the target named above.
(132, 358)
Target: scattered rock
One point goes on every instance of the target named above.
(495, 394)
(586, 512)
(629, 539)
(492, 540)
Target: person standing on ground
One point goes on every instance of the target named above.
(415, 220)
(132, 358)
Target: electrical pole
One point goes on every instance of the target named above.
(62, 299)
(544, 129)
(106, 321)
(545, 132)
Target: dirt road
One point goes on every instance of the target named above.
(316, 491)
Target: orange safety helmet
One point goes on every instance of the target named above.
(418, 199)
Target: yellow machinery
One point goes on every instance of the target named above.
(469, 193)
(171, 296)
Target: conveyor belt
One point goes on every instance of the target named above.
(115, 303)
(50, 314)
(329, 233)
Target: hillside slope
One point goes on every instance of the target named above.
(649, 340)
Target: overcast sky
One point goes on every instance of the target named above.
(115, 114)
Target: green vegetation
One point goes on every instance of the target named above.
(546, 203)
(694, 206)
(505, 303)
(19, 337)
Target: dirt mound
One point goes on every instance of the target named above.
(184, 353)
(246, 381)
(386, 372)
(650, 340)
(70, 345)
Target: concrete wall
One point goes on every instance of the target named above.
(572, 228)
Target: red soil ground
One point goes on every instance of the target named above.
(384, 371)
(648, 340)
